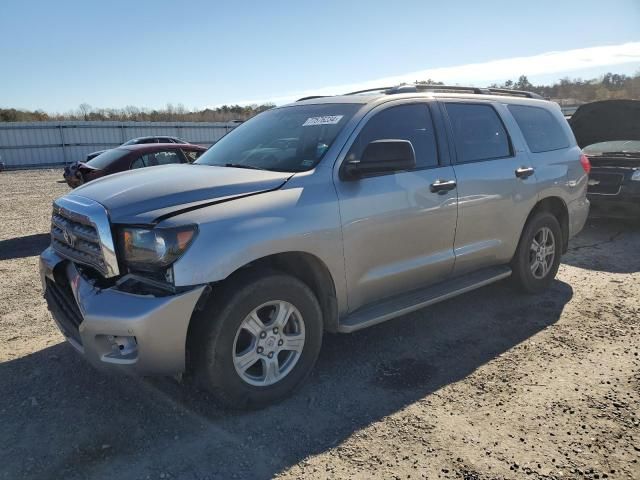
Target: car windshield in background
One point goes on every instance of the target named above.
(614, 146)
(107, 158)
(289, 139)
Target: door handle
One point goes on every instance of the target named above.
(442, 186)
(524, 172)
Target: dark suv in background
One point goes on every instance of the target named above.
(609, 134)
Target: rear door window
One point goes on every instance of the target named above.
(403, 122)
(540, 128)
(479, 133)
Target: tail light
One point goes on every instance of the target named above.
(586, 164)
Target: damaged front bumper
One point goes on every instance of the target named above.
(113, 329)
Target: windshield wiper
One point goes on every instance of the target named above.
(241, 165)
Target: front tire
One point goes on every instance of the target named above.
(257, 340)
(537, 257)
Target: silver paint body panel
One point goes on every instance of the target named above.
(377, 237)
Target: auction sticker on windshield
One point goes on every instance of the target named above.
(326, 120)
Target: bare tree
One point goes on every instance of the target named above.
(85, 110)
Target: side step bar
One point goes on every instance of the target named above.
(400, 305)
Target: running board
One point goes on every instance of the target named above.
(417, 299)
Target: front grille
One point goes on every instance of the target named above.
(75, 238)
(64, 308)
(605, 183)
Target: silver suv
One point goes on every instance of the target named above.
(329, 214)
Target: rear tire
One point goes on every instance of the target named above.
(537, 257)
(257, 340)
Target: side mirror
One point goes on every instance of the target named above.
(381, 156)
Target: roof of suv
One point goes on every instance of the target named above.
(400, 92)
(375, 98)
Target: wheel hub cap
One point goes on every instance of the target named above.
(543, 250)
(268, 343)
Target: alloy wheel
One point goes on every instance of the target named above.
(268, 343)
(542, 253)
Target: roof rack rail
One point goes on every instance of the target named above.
(450, 88)
(311, 97)
(427, 87)
(378, 89)
(515, 93)
(422, 87)
(479, 90)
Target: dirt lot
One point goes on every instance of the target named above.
(494, 384)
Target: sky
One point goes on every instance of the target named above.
(55, 55)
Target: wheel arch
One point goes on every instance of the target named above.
(558, 208)
(307, 268)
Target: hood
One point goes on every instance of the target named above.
(149, 195)
(606, 121)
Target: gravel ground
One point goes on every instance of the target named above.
(493, 384)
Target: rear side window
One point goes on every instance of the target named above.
(478, 131)
(404, 122)
(540, 128)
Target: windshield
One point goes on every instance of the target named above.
(105, 159)
(289, 139)
(615, 146)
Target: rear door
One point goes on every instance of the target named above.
(496, 183)
(397, 232)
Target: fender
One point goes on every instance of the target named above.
(303, 216)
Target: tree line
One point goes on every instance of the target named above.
(171, 113)
(577, 91)
(566, 91)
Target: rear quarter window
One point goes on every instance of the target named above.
(541, 130)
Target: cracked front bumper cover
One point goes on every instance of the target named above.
(143, 334)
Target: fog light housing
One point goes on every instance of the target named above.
(124, 349)
(636, 175)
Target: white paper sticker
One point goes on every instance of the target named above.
(326, 120)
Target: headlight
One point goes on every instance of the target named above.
(157, 248)
(636, 175)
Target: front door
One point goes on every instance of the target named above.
(398, 229)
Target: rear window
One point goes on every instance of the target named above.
(540, 128)
(478, 131)
(105, 159)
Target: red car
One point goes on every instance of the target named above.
(129, 157)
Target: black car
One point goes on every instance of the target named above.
(609, 134)
(141, 140)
